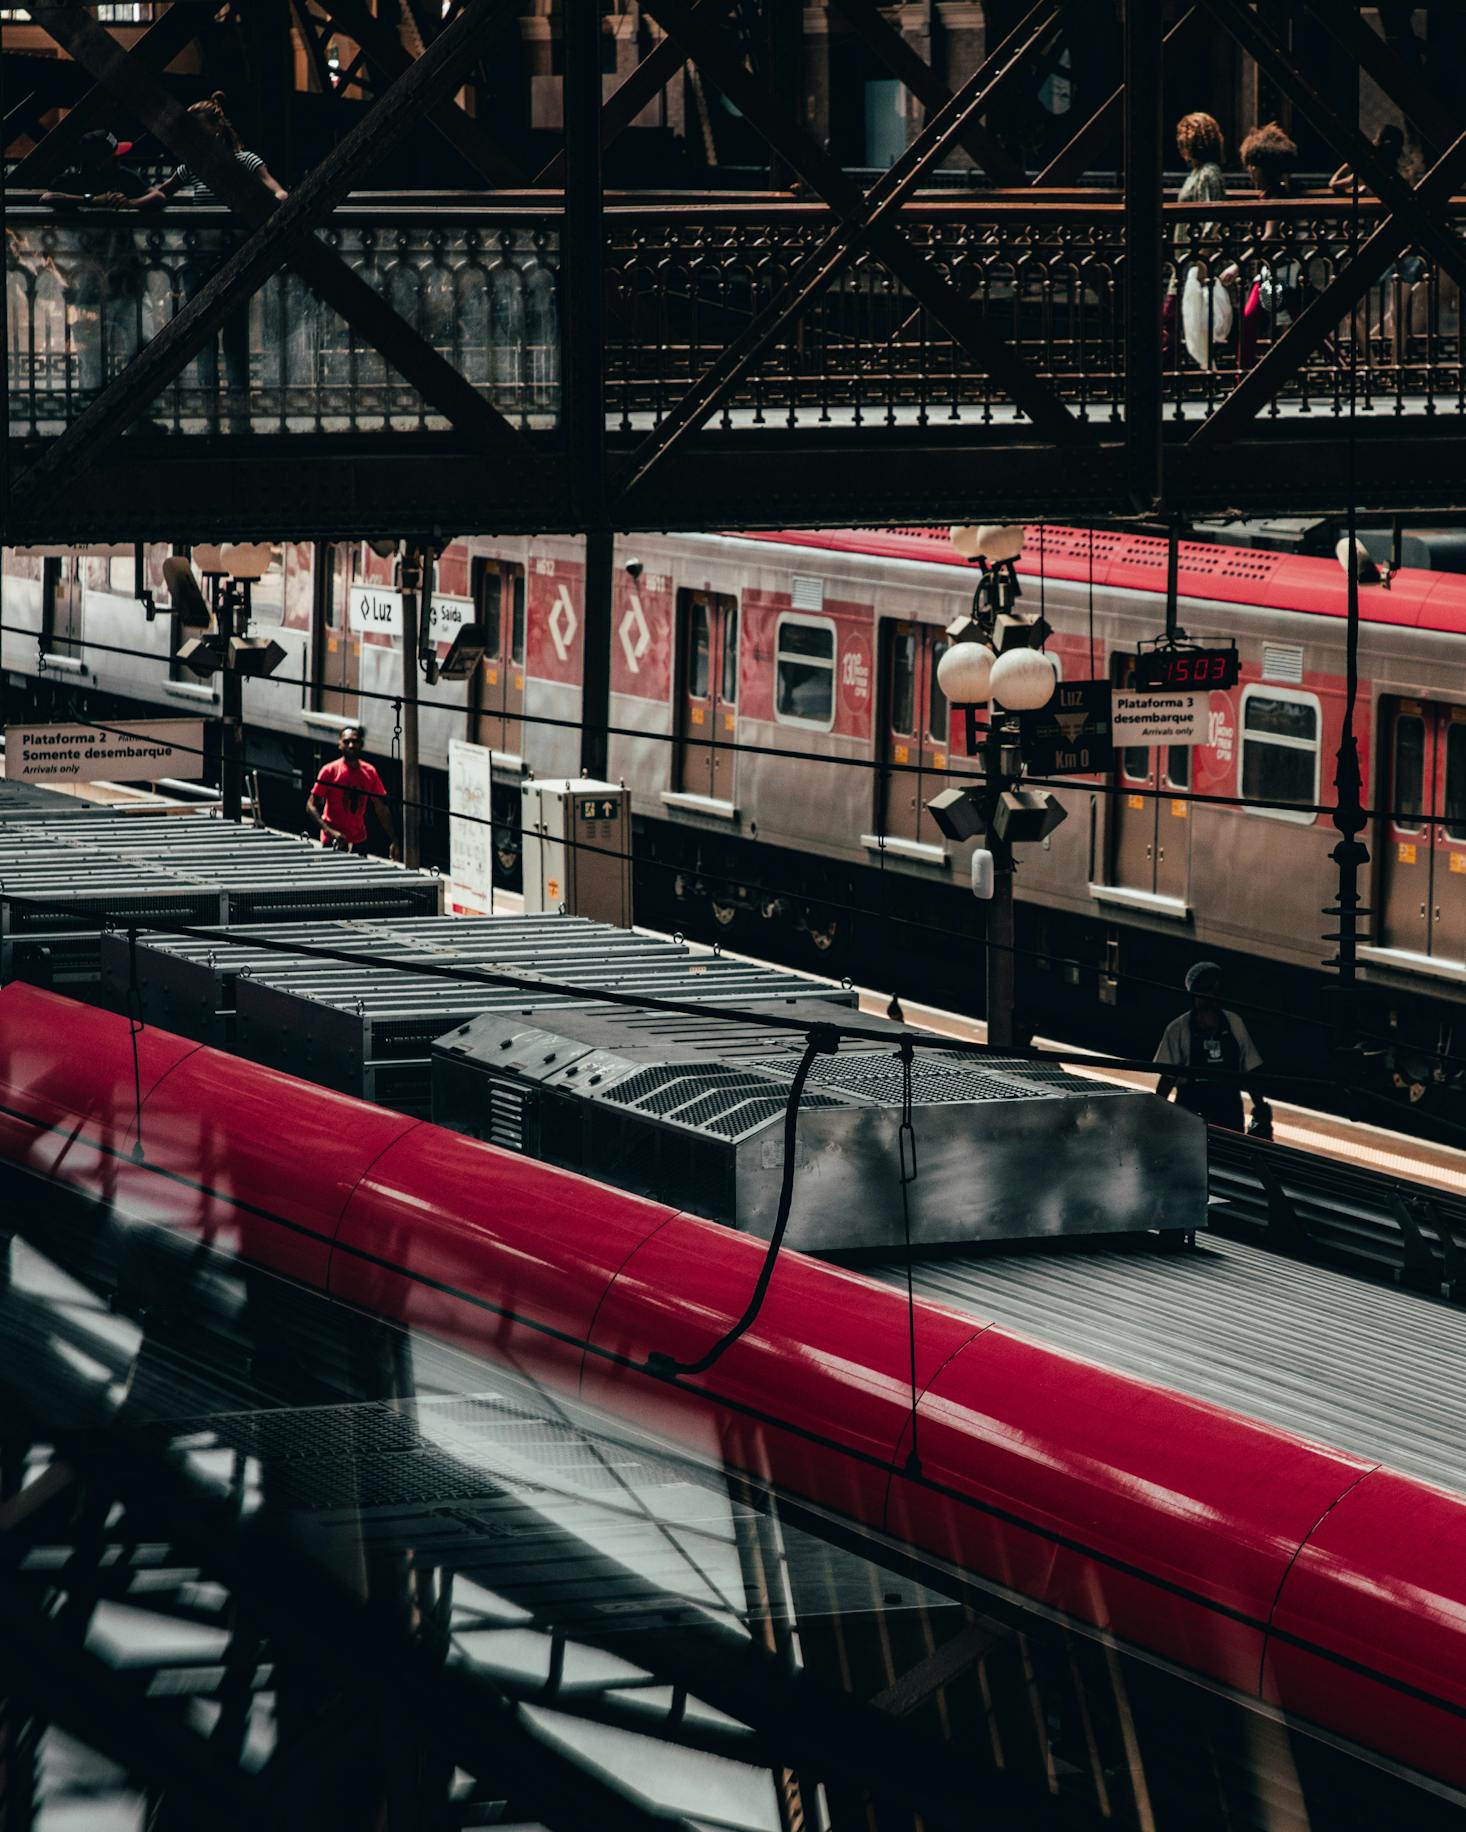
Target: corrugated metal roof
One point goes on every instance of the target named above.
(1362, 1367)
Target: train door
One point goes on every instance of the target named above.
(1448, 871)
(707, 692)
(915, 731)
(1150, 817)
(497, 695)
(335, 646)
(1408, 852)
(61, 606)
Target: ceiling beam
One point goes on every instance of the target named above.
(905, 63)
(843, 242)
(281, 232)
(968, 326)
(155, 50)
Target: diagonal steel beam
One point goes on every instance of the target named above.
(281, 232)
(626, 102)
(1374, 55)
(958, 317)
(155, 50)
(1343, 136)
(906, 64)
(839, 247)
(1322, 316)
(1069, 162)
(387, 54)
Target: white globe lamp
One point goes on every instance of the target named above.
(965, 673)
(964, 539)
(1000, 540)
(1023, 680)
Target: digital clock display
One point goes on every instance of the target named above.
(1187, 670)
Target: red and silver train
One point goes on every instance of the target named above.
(1318, 1580)
(812, 657)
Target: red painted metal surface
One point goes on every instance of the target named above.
(1234, 1548)
(270, 1171)
(1382, 1583)
(823, 1372)
(1164, 1519)
(67, 1091)
(497, 1253)
(1417, 599)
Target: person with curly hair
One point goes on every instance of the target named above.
(1200, 144)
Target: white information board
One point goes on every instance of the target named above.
(1159, 718)
(135, 750)
(471, 839)
(371, 610)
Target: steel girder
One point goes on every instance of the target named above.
(269, 486)
(280, 233)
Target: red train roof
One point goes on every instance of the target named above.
(1137, 562)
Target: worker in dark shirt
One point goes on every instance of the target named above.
(1208, 1037)
(98, 178)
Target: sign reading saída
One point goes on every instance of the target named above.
(1071, 735)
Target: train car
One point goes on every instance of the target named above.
(1317, 1579)
(776, 715)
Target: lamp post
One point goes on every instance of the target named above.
(991, 660)
(232, 570)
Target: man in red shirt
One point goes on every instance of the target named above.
(338, 803)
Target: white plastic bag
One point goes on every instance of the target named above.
(1206, 316)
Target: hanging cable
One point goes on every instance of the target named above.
(824, 1040)
(134, 1030)
(906, 1153)
(1093, 659)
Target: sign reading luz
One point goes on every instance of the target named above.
(137, 750)
(1160, 718)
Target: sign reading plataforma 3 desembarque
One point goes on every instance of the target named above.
(135, 750)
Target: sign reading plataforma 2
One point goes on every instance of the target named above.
(134, 750)
(1159, 718)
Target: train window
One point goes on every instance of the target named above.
(1408, 788)
(1280, 751)
(804, 672)
(903, 682)
(730, 655)
(1135, 762)
(267, 595)
(121, 570)
(698, 642)
(516, 628)
(488, 595)
(1178, 766)
(1455, 808)
(938, 714)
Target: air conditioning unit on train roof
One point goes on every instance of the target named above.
(691, 1111)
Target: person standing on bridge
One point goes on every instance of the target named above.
(1208, 1037)
(344, 789)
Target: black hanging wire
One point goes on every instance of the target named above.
(1349, 817)
(906, 1148)
(1092, 661)
(824, 1040)
(134, 1030)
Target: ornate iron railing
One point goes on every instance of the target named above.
(686, 276)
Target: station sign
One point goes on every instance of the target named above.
(135, 750)
(1160, 718)
(373, 611)
(1071, 736)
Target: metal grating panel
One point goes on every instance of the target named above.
(1282, 662)
(878, 1077)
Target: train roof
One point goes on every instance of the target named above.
(1362, 1367)
(1416, 598)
